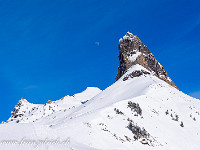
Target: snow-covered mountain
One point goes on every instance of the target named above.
(25, 112)
(142, 110)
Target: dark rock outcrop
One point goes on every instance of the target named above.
(132, 51)
(16, 113)
(136, 73)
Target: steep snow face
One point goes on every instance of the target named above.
(141, 112)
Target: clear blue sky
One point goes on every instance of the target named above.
(51, 48)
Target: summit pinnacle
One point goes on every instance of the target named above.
(132, 51)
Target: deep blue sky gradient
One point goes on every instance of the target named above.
(52, 48)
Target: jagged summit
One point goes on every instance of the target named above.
(131, 52)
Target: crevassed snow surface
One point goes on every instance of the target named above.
(96, 125)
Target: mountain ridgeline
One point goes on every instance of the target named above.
(142, 110)
(132, 51)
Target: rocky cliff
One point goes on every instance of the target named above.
(132, 51)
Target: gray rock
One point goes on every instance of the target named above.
(130, 46)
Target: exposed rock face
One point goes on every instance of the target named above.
(132, 51)
(16, 113)
(136, 73)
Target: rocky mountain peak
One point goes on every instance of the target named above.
(17, 113)
(132, 51)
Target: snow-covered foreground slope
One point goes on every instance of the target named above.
(139, 113)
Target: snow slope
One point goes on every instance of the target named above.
(87, 94)
(169, 119)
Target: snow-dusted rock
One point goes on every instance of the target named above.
(132, 51)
